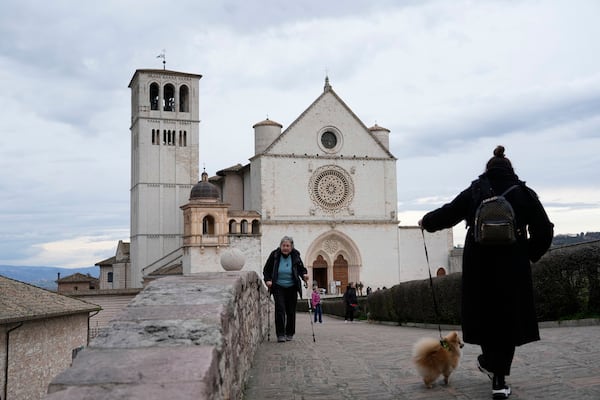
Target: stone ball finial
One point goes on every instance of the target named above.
(232, 259)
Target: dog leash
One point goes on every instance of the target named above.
(435, 305)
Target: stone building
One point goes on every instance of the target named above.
(77, 283)
(40, 333)
(328, 180)
(115, 272)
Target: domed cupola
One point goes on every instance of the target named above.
(265, 133)
(382, 134)
(204, 190)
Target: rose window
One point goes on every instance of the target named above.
(331, 188)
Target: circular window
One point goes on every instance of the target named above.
(331, 188)
(329, 140)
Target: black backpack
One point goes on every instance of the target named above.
(495, 222)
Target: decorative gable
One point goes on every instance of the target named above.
(328, 127)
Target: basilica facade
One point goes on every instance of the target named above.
(327, 180)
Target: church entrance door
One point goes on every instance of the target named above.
(340, 272)
(320, 272)
(320, 275)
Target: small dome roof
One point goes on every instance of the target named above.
(267, 122)
(376, 127)
(204, 190)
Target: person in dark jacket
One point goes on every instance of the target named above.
(283, 274)
(350, 301)
(498, 311)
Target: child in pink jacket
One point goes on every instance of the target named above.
(315, 300)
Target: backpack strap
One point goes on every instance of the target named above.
(481, 189)
(509, 189)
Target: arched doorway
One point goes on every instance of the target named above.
(334, 258)
(340, 272)
(320, 272)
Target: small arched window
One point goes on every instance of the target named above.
(232, 226)
(169, 97)
(244, 227)
(154, 97)
(255, 227)
(184, 95)
(208, 225)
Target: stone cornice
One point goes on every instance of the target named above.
(330, 222)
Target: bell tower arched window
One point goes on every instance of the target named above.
(169, 97)
(154, 96)
(208, 225)
(184, 99)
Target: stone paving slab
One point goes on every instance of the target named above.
(361, 360)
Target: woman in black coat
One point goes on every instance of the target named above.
(283, 274)
(350, 302)
(498, 311)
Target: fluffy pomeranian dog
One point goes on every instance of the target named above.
(434, 357)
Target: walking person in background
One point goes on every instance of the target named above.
(315, 301)
(498, 311)
(283, 274)
(359, 287)
(350, 301)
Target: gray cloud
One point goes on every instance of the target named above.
(450, 79)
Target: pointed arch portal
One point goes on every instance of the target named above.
(334, 262)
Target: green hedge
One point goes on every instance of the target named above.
(567, 282)
(413, 302)
(336, 306)
(566, 286)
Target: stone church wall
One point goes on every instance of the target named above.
(412, 252)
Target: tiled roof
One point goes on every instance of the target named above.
(77, 277)
(109, 261)
(23, 302)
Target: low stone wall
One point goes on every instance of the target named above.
(182, 337)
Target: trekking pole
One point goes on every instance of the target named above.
(312, 325)
(268, 314)
(435, 306)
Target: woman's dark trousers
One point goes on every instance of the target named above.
(349, 313)
(285, 310)
(498, 357)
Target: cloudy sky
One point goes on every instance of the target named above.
(450, 79)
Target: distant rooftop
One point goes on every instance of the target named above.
(23, 302)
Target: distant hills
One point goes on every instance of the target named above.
(43, 277)
(562, 240)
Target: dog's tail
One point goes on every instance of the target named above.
(424, 347)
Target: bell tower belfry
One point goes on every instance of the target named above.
(164, 164)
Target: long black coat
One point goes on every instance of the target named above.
(497, 291)
(271, 268)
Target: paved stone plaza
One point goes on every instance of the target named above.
(372, 361)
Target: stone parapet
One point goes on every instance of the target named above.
(182, 337)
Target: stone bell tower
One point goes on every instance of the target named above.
(164, 164)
